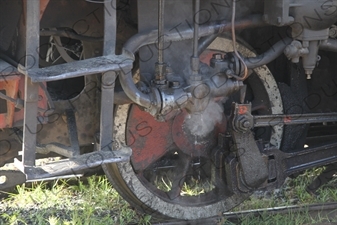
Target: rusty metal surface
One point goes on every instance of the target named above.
(10, 84)
(144, 134)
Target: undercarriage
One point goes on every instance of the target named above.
(222, 97)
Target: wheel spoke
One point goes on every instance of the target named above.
(180, 172)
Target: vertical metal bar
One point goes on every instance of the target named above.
(31, 89)
(160, 65)
(110, 27)
(196, 27)
(161, 39)
(195, 56)
(108, 78)
(107, 107)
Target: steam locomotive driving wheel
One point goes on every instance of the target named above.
(174, 171)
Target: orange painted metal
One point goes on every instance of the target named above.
(43, 6)
(10, 84)
(14, 86)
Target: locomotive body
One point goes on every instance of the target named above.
(222, 96)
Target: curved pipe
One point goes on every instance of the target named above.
(143, 39)
(133, 92)
(268, 56)
(251, 62)
(147, 38)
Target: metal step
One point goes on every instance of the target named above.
(74, 165)
(79, 68)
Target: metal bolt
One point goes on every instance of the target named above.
(229, 72)
(246, 124)
(108, 78)
(33, 97)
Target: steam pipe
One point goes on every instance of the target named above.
(205, 42)
(268, 56)
(143, 39)
(147, 38)
(132, 91)
(251, 62)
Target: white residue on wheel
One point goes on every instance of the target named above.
(202, 123)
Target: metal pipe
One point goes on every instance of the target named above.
(161, 39)
(195, 57)
(148, 38)
(205, 42)
(196, 27)
(120, 98)
(132, 91)
(160, 65)
(268, 56)
(245, 70)
(143, 39)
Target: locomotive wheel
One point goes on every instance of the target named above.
(169, 174)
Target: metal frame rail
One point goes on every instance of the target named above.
(108, 65)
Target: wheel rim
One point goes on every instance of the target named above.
(136, 187)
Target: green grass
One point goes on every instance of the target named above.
(90, 203)
(96, 202)
(291, 193)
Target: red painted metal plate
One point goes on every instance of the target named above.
(148, 138)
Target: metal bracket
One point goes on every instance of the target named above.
(253, 166)
(242, 118)
(11, 178)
